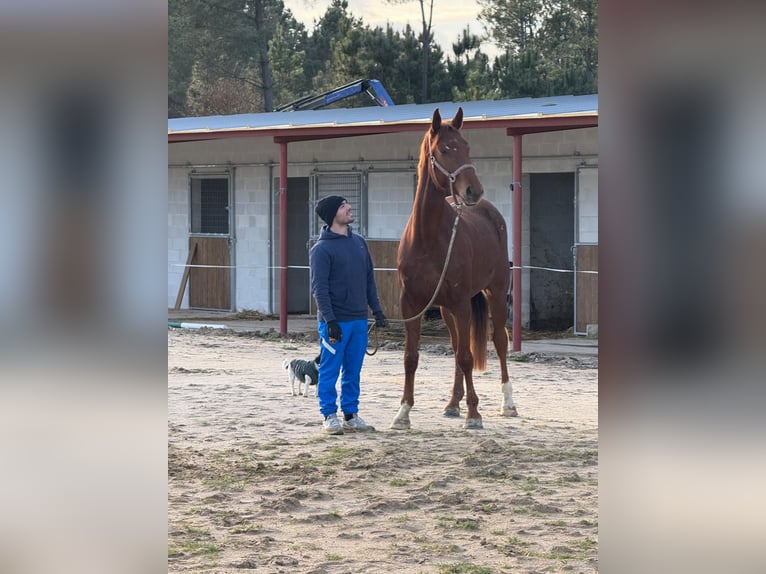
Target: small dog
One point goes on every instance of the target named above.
(307, 372)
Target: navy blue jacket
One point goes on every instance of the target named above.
(342, 278)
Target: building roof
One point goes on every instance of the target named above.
(523, 115)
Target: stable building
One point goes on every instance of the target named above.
(242, 190)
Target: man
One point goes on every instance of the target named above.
(343, 285)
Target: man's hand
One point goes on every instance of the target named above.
(380, 319)
(333, 331)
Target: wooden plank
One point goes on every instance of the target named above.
(587, 288)
(185, 277)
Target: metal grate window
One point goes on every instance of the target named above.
(210, 205)
(346, 184)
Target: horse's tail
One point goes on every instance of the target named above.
(479, 327)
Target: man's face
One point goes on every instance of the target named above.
(344, 216)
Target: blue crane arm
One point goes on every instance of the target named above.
(373, 88)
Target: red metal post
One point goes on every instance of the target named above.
(516, 203)
(283, 238)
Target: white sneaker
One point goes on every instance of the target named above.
(356, 424)
(332, 425)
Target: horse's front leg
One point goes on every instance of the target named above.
(411, 355)
(453, 406)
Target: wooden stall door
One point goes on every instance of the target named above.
(210, 288)
(586, 306)
(383, 255)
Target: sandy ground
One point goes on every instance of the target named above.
(255, 485)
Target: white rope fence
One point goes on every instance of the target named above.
(376, 268)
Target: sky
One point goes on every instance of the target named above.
(450, 17)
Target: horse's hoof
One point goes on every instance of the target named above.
(473, 424)
(452, 411)
(509, 412)
(400, 425)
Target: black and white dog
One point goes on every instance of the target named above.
(307, 372)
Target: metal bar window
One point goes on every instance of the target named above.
(210, 205)
(345, 184)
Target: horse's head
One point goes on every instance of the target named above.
(451, 167)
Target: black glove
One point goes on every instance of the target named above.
(333, 331)
(380, 319)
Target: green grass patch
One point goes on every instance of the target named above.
(338, 454)
(530, 484)
(226, 482)
(462, 523)
(195, 548)
(584, 544)
(197, 542)
(397, 482)
(514, 546)
(244, 529)
(333, 557)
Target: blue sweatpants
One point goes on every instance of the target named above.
(344, 358)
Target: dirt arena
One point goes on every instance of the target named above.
(255, 485)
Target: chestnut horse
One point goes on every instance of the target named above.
(454, 254)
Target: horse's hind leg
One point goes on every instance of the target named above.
(453, 406)
(499, 309)
(462, 318)
(411, 356)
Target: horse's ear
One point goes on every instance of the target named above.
(457, 121)
(436, 121)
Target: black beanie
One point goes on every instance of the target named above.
(328, 206)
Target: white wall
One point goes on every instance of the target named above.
(389, 160)
(587, 205)
(251, 237)
(389, 203)
(178, 231)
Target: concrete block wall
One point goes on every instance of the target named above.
(178, 231)
(252, 237)
(389, 203)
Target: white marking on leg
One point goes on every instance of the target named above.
(508, 406)
(402, 419)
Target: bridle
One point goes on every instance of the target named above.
(451, 176)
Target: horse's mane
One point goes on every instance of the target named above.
(424, 152)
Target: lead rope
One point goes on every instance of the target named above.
(372, 328)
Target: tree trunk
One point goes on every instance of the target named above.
(426, 43)
(263, 55)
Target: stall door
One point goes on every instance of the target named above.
(586, 250)
(298, 221)
(210, 243)
(551, 306)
